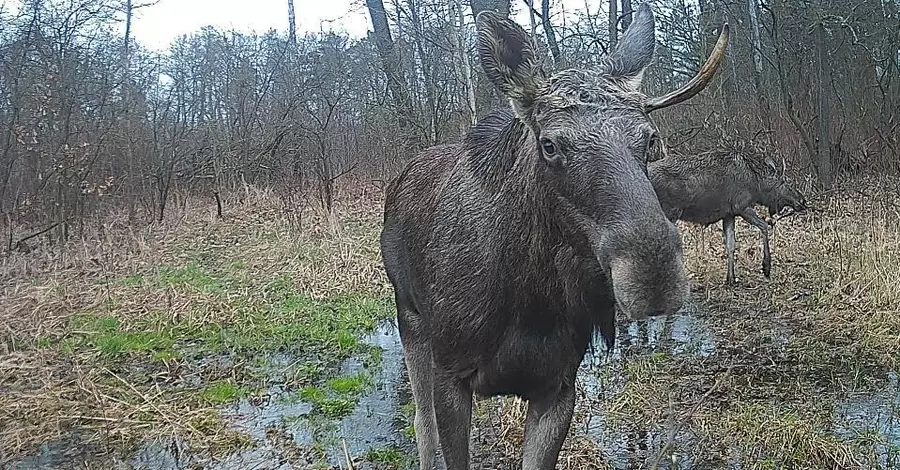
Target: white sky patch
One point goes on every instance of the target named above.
(157, 26)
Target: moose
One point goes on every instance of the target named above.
(721, 185)
(510, 250)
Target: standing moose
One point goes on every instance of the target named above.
(509, 250)
(721, 185)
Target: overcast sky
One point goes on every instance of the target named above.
(157, 26)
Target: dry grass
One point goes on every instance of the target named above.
(826, 326)
(102, 337)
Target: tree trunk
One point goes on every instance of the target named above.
(428, 76)
(531, 17)
(757, 55)
(626, 14)
(292, 23)
(613, 24)
(129, 13)
(823, 109)
(390, 61)
(551, 35)
(463, 64)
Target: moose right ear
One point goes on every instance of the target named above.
(635, 51)
(509, 57)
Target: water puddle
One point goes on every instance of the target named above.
(283, 425)
(374, 422)
(602, 376)
(284, 433)
(874, 417)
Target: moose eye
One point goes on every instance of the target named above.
(652, 142)
(548, 147)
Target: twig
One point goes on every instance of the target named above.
(347, 454)
(38, 233)
(673, 430)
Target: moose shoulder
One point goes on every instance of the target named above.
(509, 250)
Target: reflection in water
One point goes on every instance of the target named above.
(602, 377)
(874, 416)
(374, 423)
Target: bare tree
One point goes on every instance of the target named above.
(613, 22)
(551, 35)
(292, 23)
(93, 120)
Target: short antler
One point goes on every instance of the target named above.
(699, 82)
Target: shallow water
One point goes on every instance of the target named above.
(373, 424)
(279, 426)
(874, 416)
(602, 376)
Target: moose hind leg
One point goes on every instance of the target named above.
(728, 234)
(546, 426)
(419, 366)
(755, 220)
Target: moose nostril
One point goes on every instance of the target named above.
(657, 313)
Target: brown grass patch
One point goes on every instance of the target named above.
(787, 350)
(65, 379)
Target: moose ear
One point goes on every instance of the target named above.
(635, 50)
(770, 162)
(509, 57)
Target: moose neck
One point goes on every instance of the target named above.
(503, 156)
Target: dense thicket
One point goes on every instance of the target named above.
(89, 119)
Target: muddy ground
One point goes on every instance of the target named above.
(265, 340)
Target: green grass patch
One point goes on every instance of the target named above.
(133, 280)
(386, 457)
(339, 397)
(108, 336)
(336, 408)
(222, 392)
(350, 384)
(297, 322)
(293, 322)
(192, 276)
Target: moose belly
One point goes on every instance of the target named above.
(528, 365)
(705, 215)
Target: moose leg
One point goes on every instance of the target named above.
(546, 426)
(417, 352)
(453, 407)
(728, 229)
(754, 219)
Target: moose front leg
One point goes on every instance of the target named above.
(755, 220)
(453, 409)
(728, 234)
(546, 426)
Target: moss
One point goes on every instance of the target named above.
(387, 457)
(220, 393)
